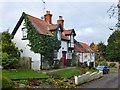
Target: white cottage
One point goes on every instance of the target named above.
(85, 53)
(44, 26)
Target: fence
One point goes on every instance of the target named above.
(24, 63)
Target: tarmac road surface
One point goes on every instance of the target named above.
(108, 81)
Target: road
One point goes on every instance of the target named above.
(108, 81)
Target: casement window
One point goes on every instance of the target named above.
(24, 33)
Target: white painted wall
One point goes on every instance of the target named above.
(64, 47)
(22, 44)
(87, 77)
(86, 57)
(59, 34)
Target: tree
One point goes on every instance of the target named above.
(93, 46)
(113, 47)
(9, 51)
(101, 47)
(8, 46)
(40, 43)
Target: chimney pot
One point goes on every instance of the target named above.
(48, 17)
(60, 18)
(47, 12)
(60, 21)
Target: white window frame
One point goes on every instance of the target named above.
(24, 33)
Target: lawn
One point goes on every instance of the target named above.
(23, 74)
(112, 72)
(69, 72)
(113, 69)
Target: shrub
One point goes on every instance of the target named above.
(54, 75)
(24, 82)
(8, 62)
(84, 65)
(97, 63)
(104, 63)
(79, 62)
(69, 62)
(112, 64)
(56, 64)
(6, 82)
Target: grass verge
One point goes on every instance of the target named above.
(112, 72)
(113, 69)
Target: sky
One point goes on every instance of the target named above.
(89, 19)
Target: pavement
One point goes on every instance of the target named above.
(108, 81)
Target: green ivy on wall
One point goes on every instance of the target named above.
(42, 44)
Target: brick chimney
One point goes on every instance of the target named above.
(48, 17)
(61, 21)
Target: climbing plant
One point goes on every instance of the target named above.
(40, 43)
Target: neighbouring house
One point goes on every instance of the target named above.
(85, 53)
(46, 27)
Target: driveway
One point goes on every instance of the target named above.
(108, 81)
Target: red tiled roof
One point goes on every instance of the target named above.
(53, 26)
(77, 49)
(64, 37)
(82, 47)
(42, 26)
(68, 31)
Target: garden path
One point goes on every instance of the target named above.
(54, 70)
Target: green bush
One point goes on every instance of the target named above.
(84, 65)
(69, 62)
(97, 63)
(112, 64)
(8, 62)
(79, 62)
(6, 82)
(54, 75)
(24, 82)
(56, 64)
(104, 63)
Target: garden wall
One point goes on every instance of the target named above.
(87, 77)
(24, 63)
(117, 64)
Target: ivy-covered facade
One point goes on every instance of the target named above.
(42, 40)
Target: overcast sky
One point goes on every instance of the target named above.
(90, 20)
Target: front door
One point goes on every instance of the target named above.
(63, 59)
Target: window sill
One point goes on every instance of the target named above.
(24, 38)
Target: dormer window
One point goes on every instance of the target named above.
(24, 32)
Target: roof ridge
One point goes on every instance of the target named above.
(37, 18)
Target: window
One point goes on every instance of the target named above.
(72, 38)
(24, 30)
